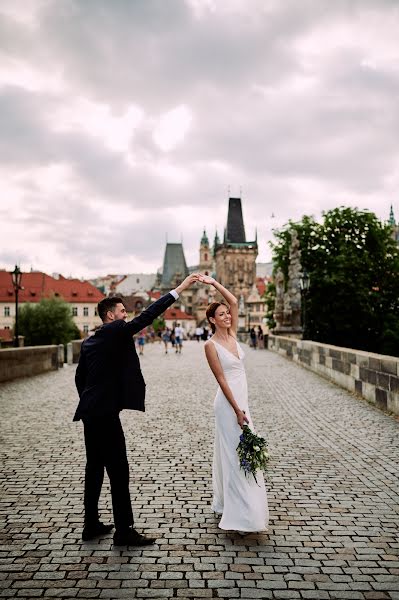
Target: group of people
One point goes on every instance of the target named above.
(174, 337)
(256, 337)
(109, 379)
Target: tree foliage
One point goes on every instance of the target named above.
(47, 322)
(353, 264)
(158, 324)
(270, 299)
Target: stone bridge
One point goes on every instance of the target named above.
(332, 487)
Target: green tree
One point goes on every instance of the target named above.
(47, 322)
(270, 298)
(158, 324)
(353, 263)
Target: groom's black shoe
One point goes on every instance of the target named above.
(95, 530)
(131, 537)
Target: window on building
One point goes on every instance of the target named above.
(74, 311)
(85, 311)
(96, 312)
(137, 280)
(205, 256)
(85, 329)
(6, 311)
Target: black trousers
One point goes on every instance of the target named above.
(106, 449)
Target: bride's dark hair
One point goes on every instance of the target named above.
(210, 312)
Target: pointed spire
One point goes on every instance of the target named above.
(216, 241)
(204, 239)
(391, 217)
(235, 222)
(256, 234)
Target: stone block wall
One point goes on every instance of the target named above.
(76, 345)
(373, 376)
(24, 362)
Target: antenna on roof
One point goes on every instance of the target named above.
(228, 191)
(240, 192)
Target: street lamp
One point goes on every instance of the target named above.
(304, 283)
(16, 281)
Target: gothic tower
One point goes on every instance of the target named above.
(235, 257)
(206, 258)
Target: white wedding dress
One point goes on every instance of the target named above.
(241, 501)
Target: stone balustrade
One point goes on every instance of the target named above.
(76, 346)
(372, 376)
(30, 360)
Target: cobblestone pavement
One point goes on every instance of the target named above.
(332, 486)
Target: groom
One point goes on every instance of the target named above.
(109, 379)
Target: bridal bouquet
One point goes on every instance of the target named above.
(252, 452)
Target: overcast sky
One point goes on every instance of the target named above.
(125, 122)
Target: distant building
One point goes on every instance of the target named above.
(82, 297)
(174, 267)
(264, 270)
(135, 283)
(174, 315)
(235, 258)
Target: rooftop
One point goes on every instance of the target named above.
(37, 285)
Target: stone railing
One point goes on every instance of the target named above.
(372, 376)
(31, 360)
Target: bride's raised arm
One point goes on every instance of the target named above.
(228, 296)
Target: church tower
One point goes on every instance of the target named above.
(235, 258)
(206, 258)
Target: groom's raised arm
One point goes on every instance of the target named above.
(149, 314)
(158, 307)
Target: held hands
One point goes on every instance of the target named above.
(206, 279)
(189, 280)
(192, 278)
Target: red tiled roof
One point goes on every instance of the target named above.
(260, 285)
(176, 314)
(6, 335)
(154, 295)
(39, 285)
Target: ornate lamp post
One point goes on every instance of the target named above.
(16, 282)
(304, 283)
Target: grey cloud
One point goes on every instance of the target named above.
(341, 135)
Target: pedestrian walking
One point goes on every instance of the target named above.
(178, 338)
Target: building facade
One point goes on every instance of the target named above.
(232, 262)
(235, 258)
(82, 297)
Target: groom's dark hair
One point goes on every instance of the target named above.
(107, 304)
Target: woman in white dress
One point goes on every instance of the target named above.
(240, 500)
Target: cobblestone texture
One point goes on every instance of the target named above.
(332, 486)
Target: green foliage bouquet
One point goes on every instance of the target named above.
(252, 452)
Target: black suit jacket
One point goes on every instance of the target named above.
(108, 377)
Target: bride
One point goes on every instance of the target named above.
(238, 498)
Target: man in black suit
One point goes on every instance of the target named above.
(109, 379)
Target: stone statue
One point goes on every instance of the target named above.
(241, 305)
(288, 302)
(279, 305)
